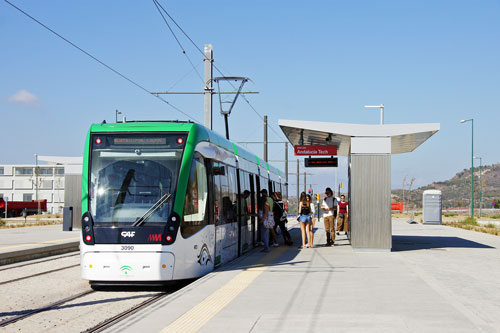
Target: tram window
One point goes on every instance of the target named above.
(233, 192)
(243, 200)
(195, 204)
(252, 194)
(217, 195)
(225, 199)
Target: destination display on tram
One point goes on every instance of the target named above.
(139, 141)
(315, 150)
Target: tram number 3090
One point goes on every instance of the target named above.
(127, 248)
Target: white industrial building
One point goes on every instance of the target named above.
(23, 182)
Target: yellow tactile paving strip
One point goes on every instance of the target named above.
(40, 243)
(194, 319)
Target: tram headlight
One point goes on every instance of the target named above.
(88, 238)
(168, 238)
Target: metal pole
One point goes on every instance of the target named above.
(298, 181)
(36, 176)
(227, 126)
(381, 114)
(286, 161)
(305, 182)
(265, 139)
(208, 89)
(6, 209)
(472, 173)
(480, 186)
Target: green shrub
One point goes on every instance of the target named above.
(490, 225)
(450, 214)
(494, 216)
(470, 221)
(418, 213)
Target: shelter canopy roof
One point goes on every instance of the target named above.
(404, 137)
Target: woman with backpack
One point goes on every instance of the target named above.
(280, 217)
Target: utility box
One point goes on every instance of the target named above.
(68, 219)
(432, 209)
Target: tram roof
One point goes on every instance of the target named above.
(404, 137)
(151, 125)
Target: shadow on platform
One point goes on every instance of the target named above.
(412, 243)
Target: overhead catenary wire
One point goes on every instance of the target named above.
(215, 66)
(102, 63)
(157, 5)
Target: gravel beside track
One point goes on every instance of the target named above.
(43, 289)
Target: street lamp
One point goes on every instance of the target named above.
(116, 115)
(381, 106)
(472, 166)
(480, 185)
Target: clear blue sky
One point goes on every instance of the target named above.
(427, 61)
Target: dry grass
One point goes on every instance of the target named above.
(4, 224)
(487, 229)
(470, 223)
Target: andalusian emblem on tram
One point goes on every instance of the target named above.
(204, 256)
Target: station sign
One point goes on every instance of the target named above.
(315, 162)
(315, 150)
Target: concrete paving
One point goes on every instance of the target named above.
(19, 244)
(436, 279)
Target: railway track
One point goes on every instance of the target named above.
(38, 274)
(29, 313)
(121, 316)
(40, 261)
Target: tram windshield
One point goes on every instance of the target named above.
(133, 177)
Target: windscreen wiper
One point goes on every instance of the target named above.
(153, 209)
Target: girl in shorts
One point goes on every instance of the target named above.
(305, 221)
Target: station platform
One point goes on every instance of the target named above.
(26, 243)
(435, 279)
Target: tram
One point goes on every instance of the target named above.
(165, 201)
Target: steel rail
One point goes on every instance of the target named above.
(12, 320)
(38, 274)
(121, 316)
(40, 261)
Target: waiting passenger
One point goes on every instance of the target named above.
(329, 206)
(342, 219)
(313, 221)
(305, 220)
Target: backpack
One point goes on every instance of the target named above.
(281, 212)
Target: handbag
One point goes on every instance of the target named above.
(341, 215)
(269, 221)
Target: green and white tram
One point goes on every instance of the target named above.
(166, 201)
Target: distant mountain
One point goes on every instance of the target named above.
(456, 191)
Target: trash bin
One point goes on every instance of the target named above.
(432, 209)
(68, 218)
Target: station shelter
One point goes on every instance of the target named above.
(369, 149)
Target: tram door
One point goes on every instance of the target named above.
(253, 210)
(244, 212)
(226, 226)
